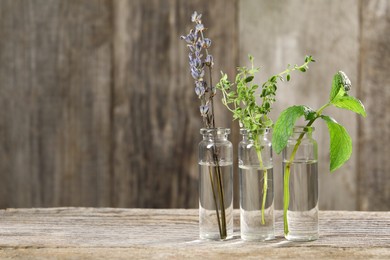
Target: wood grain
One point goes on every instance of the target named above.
(97, 103)
(168, 253)
(55, 71)
(148, 233)
(156, 119)
(374, 131)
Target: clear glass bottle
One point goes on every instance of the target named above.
(256, 186)
(215, 184)
(300, 171)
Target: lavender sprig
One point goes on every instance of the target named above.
(199, 58)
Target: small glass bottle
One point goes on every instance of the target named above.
(300, 170)
(256, 186)
(215, 184)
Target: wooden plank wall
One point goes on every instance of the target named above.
(155, 110)
(55, 77)
(97, 106)
(374, 134)
(97, 103)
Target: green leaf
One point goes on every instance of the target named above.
(288, 77)
(231, 94)
(337, 84)
(340, 143)
(309, 58)
(249, 79)
(350, 103)
(284, 126)
(268, 123)
(263, 92)
(272, 79)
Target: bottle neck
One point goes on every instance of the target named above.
(215, 134)
(248, 136)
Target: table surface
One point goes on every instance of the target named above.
(108, 233)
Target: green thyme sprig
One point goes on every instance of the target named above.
(340, 141)
(240, 98)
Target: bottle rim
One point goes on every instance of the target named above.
(215, 131)
(244, 131)
(301, 129)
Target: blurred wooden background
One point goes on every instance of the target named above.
(97, 106)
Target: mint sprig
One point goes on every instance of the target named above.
(340, 141)
(339, 97)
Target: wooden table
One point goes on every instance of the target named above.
(107, 233)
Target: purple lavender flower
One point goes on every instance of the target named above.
(196, 63)
(200, 88)
(207, 43)
(190, 38)
(203, 110)
(197, 74)
(198, 47)
(199, 27)
(195, 17)
(209, 60)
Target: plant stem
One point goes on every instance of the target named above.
(265, 189)
(286, 196)
(211, 97)
(215, 199)
(286, 179)
(265, 178)
(286, 182)
(211, 124)
(289, 70)
(222, 219)
(218, 187)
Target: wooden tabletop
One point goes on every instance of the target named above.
(107, 233)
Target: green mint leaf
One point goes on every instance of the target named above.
(284, 126)
(337, 84)
(350, 103)
(340, 143)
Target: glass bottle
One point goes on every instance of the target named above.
(256, 186)
(215, 184)
(300, 171)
